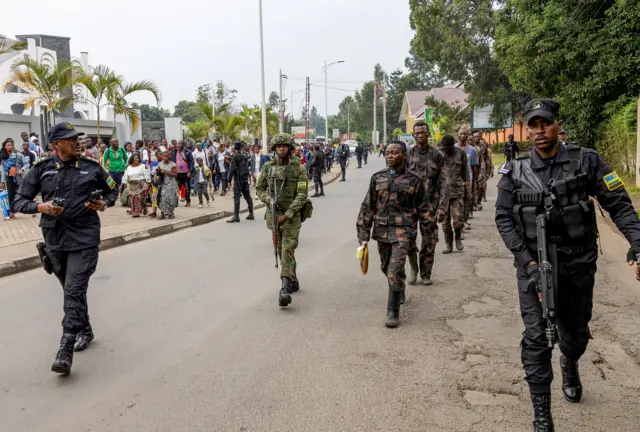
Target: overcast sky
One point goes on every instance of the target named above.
(182, 44)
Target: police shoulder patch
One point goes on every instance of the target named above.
(88, 159)
(41, 161)
(505, 168)
(111, 182)
(612, 181)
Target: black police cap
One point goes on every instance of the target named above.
(548, 109)
(63, 131)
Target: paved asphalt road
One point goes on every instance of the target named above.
(190, 338)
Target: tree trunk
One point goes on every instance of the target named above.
(98, 126)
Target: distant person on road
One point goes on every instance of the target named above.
(343, 154)
(11, 170)
(554, 183)
(115, 161)
(367, 150)
(329, 153)
(485, 170)
(183, 159)
(511, 150)
(202, 179)
(472, 160)
(458, 174)
(359, 152)
(285, 178)
(166, 177)
(394, 220)
(137, 180)
(71, 229)
(239, 174)
(317, 165)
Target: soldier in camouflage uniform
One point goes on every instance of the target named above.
(395, 202)
(458, 174)
(287, 177)
(428, 162)
(485, 166)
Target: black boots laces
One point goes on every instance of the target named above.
(542, 420)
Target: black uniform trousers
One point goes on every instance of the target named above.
(241, 186)
(183, 179)
(359, 161)
(365, 155)
(343, 167)
(76, 267)
(574, 307)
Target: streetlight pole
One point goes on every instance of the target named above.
(326, 100)
(264, 100)
(348, 121)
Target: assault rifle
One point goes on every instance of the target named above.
(547, 262)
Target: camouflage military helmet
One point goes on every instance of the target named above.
(282, 138)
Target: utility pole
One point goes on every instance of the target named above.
(264, 102)
(375, 97)
(384, 112)
(306, 116)
(281, 111)
(348, 121)
(326, 100)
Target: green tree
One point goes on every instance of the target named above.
(44, 84)
(274, 101)
(118, 99)
(187, 110)
(203, 94)
(224, 94)
(8, 45)
(197, 130)
(151, 113)
(101, 82)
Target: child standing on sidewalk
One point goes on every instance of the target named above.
(203, 175)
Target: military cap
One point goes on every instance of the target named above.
(546, 108)
(63, 131)
(282, 139)
(562, 131)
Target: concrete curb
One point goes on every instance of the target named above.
(11, 267)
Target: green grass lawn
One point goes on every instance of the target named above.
(498, 159)
(630, 186)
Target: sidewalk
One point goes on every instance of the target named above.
(18, 238)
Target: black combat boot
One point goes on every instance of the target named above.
(321, 189)
(571, 385)
(250, 216)
(459, 245)
(315, 195)
(426, 277)
(234, 219)
(448, 240)
(403, 297)
(393, 309)
(413, 264)
(84, 338)
(284, 298)
(64, 357)
(295, 286)
(542, 420)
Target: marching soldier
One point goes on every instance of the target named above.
(458, 174)
(557, 181)
(394, 221)
(284, 180)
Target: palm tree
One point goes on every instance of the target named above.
(198, 129)
(101, 83)
(44, 84)
(8, 45)
(118, 99)
(229, 126)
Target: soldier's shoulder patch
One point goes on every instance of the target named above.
(38, 162)
(505, 168)
(302, 185)
(612, 181)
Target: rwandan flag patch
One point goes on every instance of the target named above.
(612, 181)
(111, 182)
(302, 185)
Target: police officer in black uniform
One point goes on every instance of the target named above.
(567, 176)
(74, 188)
(359, 152)
(239, 172)
(343, 154)
(511, 150)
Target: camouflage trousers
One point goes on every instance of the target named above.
(288, 235)
(429, 234)
(481, 186)
(393, 257)
(455, 213)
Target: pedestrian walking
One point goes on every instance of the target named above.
(114, 160)
(137, 180)
(11, 164)
(239, 173)
(456, 167)
(553, 184)
(428, 162)
(317, 165)
(343, 154)
(472, 161)
(183, 159)
(394, 221)
(202, 178)
(485, 168)
(284, 183)
(359, 153)
(166, 177)
(511, 150)
(70, 227)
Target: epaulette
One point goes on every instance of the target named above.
(41, 160)
(524, 156)
(505, 168)
(81, 157)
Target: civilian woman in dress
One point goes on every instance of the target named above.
(137, 179)
(11, 164)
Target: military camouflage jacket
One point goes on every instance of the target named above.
(457, 171)
(429, 164)
(291, 183)
(393, 205)
(483, 155)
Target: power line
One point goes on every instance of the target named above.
(335, 88)
(332, 82)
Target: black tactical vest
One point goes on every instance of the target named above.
(242, 165)
(560, 189)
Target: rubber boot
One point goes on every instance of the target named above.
(542, 420)
(571, 385)
(413, 272)
(448, 240)
(250, 216)
(284, 298)
(83, 339)
(393, 309)
(234, 219)
(459, 245)
(64, 357)
(294, 286)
